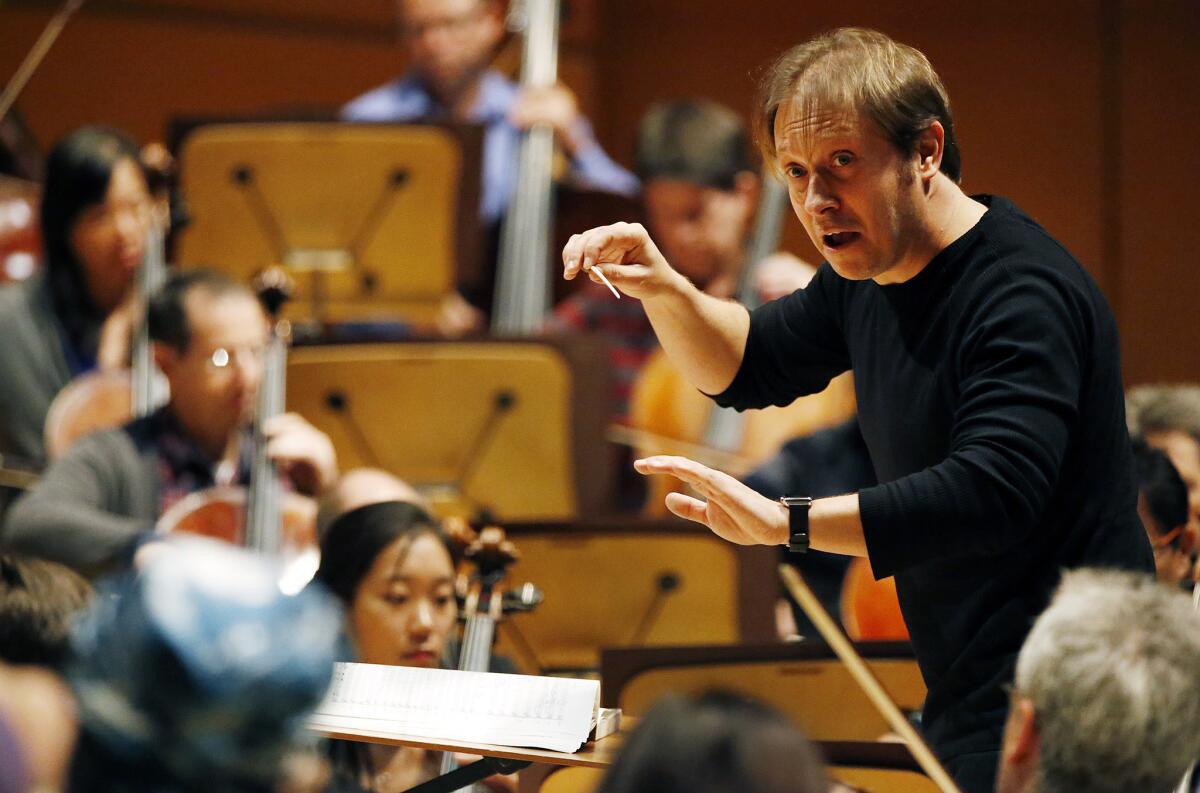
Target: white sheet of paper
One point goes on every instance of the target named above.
(474, 707)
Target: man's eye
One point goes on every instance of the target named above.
(794, 172)
(843, 159)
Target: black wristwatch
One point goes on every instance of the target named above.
(797, 507)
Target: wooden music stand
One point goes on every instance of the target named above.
(511, 429)
(803, 679)
(609, 583)
(367, 218)
(560, 772)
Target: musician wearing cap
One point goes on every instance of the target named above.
(95, 504)
(985, 363)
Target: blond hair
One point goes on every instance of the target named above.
(862, 70)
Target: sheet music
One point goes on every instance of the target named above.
(479, 707)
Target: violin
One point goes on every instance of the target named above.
(261, 516)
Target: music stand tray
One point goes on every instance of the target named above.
(365, 217)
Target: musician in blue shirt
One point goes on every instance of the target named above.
(450, 45)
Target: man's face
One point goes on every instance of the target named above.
(450, 41)
(699, 229)
(859, 199)
(1184, 452)
(214, 382)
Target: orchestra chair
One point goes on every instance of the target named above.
(640, 582)
(372, 221)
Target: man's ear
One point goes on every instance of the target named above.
(1025, 744)
(165, 357)
(931, 145)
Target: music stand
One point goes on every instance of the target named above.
(366, 217)
(632, 581)
(803, 679)
(510, 429)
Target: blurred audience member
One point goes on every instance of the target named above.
(715, 743)
(198, 674)
(1107, 691)
(39, 600)
(1163, 508)
(37, 729)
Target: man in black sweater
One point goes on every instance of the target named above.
(985, 362)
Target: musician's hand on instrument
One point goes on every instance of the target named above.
(116, 334)
(628, 257)
(302, 452)
(457, 318)
(780, 274)
(730, 509)
(556, 107)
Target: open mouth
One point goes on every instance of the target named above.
(839, 239)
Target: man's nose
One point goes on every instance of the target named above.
(818, 195)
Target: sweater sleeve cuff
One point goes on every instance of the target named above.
(882, 536)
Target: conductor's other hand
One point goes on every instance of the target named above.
(730, 509)
(628, 257)
(302, 452)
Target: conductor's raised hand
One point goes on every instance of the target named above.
(731, 510)
(628, 257)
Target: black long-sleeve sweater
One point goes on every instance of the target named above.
(990, 398)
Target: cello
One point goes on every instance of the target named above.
(261, 516)
(485, 599)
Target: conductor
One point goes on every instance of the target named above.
(985, 361)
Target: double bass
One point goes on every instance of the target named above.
(523, 287)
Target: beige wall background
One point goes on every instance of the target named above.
(1083, 111)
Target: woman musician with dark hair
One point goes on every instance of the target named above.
(75, 315)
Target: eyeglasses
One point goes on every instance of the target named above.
(223, 358)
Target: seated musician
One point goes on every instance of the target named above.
(76, 313)
(700, 192)
(715, 742)
(1163, 508)
(101, 499)
(450, 44)
(1107, 691)
(393, 568)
